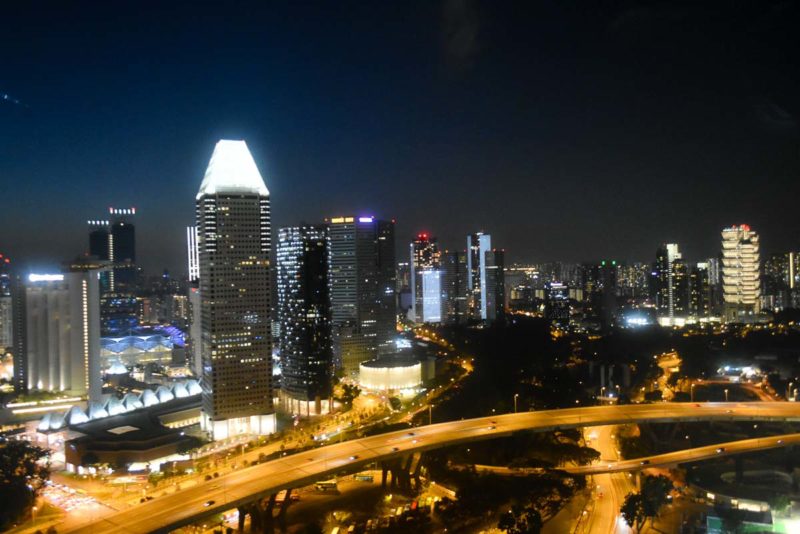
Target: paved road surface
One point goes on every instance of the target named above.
(172, 511)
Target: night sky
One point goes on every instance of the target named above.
(568, 130)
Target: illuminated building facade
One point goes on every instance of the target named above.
(114, 240)
(233, 239)
(700, 295)
(741, 284)
(477, 246)
(306, 352)
(493, 294)
(425, 257)
(6, 306)
(362, 289)
(671, 282)
(62, 332)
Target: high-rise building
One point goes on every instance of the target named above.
(306, 352)
(671, 282)
(6, 305)
(556, 304)
(362, 279)
(700, 295)
(454, 281)
(62, 332)
(114, 240)
(477, 246)
(233, 239)
(494, 293)
(424, 262)
(741, 284)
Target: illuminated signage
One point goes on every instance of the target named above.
(45, 277)
(366, 219)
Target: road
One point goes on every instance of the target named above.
(609, 463)
(241, 486)
(610, 489)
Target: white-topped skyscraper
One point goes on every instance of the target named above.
(741, 266)
(233, 242)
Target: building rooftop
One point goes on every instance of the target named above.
(232, 170)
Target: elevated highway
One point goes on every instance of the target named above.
(172, 511)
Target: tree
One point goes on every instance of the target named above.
(732, 519)
(633, 511)
(346, 393)
(24, 470)
(779, 503)
(639, 507)
(521, 520)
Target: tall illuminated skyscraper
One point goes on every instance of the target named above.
(426, 289)
(477, 247)
(741, 283)
(304, 316)
(672, 282)
(233, 239)
(362, 280)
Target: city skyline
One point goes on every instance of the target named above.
(707, 150)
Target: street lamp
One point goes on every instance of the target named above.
(430, 414)
(726, 394)
(516, 396)
(691, 389)
(602, 391)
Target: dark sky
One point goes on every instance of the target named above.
(568, 130)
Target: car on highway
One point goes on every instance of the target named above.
(354, 457)
(644, 462)
(780, 441)
(395, 449)
(208, 503)
(720, 450)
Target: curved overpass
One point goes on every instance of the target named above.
(241, 487)
(658, 460)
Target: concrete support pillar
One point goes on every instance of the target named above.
(283, 509)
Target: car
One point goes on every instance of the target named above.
(644, 462)
(780, 441)
(354, 457)
(411, 434)
(493, 422)
(696, 405)
(395, 449)
(208, 503)
(728, 411)
(720, 450)
(492, 427)
(414, 441)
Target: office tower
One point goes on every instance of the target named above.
(233, 238)
(671, 278)
(741, 285)
(556, 304)
(494, 292)
(454, 281)
(62, 332)
(600, 290)
(192, 253)
(362, 278)
(425, 259)
(477, 246)
(6, 305)
(699, 291)
(114, 240)
(306, 352)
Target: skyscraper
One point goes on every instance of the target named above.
(741, 284)
(114, 240)
(494, 293)
(477, 246)
(62, 332)
(6, 306)
(671, 282)
(425, 261)
(304, 316)
(233, 235)
(454, 266)
(699, 291)
(362, 280)
(556, 304)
